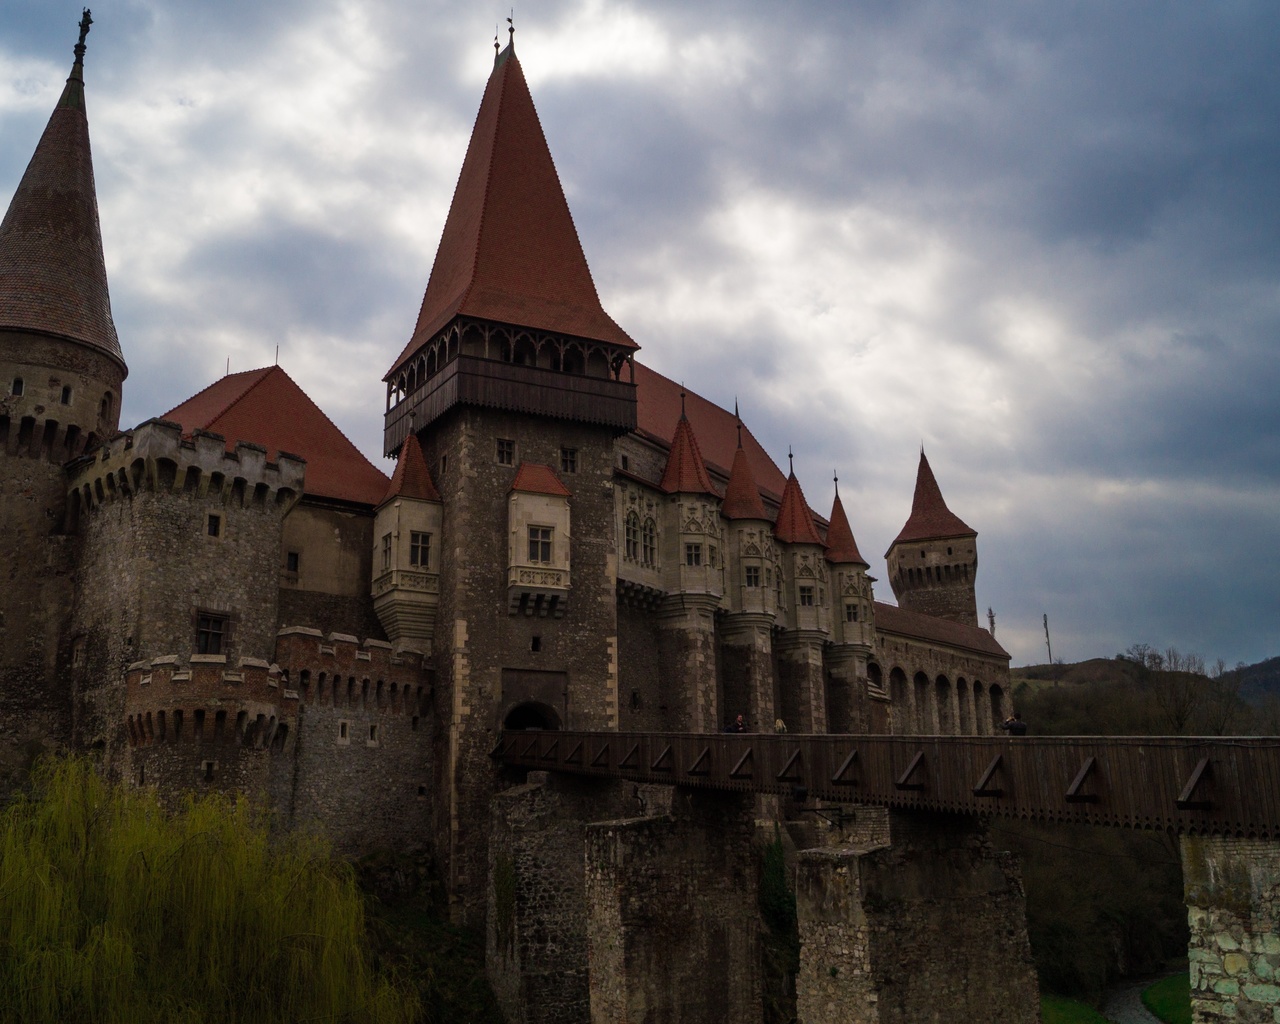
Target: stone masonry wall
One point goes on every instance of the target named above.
(931, 928)
(673, 929)
(1232, 890)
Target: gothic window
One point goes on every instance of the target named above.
(419, 549)
(753, 575)
(506, 453)
(649, 543)
(631, 548)
(850, 612)
(806, 597)
(211, 633)
(386, 552)
(540, 544)
(693, 554)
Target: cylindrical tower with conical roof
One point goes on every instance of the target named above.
(61, 372)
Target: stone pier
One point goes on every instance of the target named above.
(1232, 889)
(930, 927)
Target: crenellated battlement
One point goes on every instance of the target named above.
(156, 457)
(340, 670)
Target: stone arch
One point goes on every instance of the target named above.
(964, 708)
(532, 714)
(923, 710)
(875, 677)
(899, 701)
(995, 695)
(981, 710)
(946, 712)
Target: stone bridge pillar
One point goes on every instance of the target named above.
(672, 922)
(931, 927)
(747, 669)
(1232, 889)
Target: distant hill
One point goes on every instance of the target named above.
(1095, 670)
(1260, 680)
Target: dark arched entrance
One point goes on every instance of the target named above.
(531, 715)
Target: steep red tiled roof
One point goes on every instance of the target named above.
(53, 279)
(930, 518)
(658, 412)
(535, 478)
(266, 407)
(741, 495)
(411, 479)
(686, 473)
(510, 251)
(795, 521)
(842, 549)
(893, 619)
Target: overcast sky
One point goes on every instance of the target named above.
(1041, 239)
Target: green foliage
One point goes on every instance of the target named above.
(781, 941)
(113, 910)
(1170, 999)
(1056, 1010)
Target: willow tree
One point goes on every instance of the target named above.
(113, 909)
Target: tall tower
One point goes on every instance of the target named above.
(933, 562)
(61, 372)
(853, 627)
(513, 383)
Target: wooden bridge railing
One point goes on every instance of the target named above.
(1195, 785)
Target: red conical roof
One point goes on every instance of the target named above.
(741, 495)
(842, 549)
(930, 518)
(795, 520)
(686, 473)
(267, 407)
(411, 479)
(535, 478)
(53, 279)
(510, 251)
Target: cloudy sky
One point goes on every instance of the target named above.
(1042, 240)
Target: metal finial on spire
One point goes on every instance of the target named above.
(836, 477)
(737, 417)
(86, 20)
(495, 42)
(511, 26)
(682, 415)
(791, 462)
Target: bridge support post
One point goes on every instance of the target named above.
(1232, 890)
(802, 683)
(746, 649)
(688, 638)
(673, 925)
(930, 928)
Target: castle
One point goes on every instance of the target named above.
(231, 596)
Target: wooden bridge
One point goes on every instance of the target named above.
(1224, 786)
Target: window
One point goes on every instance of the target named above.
(693, 554)
(540, 544)
(419, 549)
(568, 460)
(214, 525)
(343, 737)
(17, 388)
(806, 597)
(291, 561)
(506, 452)
(850, 613)
(649, 543)
(211, 633)
(373, 734)
(444, 464)
(711, 555)
(386, 552)
(631, 538)
(535, 644)
(66, 394)
(753, 575)
(626, 463)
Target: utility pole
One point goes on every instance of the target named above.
(1046, 637)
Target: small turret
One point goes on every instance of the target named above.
(933, 562)
(804, 589)
(694, 557)
(852, 587)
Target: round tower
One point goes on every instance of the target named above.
(933, 562)
(61, 372)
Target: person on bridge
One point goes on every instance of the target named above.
(1014, 725)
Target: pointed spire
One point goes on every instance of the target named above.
(795, 520)
(412, 479)
(53, 279)
(930, 518)
(510, 251)
(741, 495)
(686, 473)
(842, 549)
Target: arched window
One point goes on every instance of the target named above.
(649, 543)
(104, 410)
(631, 544)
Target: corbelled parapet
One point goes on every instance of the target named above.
(207, 700)
(156, 457)
(340, 669)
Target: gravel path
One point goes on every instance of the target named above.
(1123, 1005)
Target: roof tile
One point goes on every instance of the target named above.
(930, 518)
(686, 473)
(893, 619)
(842, 549)
(741, 495)
(535, 478)
(412, 479)
(795, 520)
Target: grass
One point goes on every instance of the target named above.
(1056, 1010)
(1170, 999)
